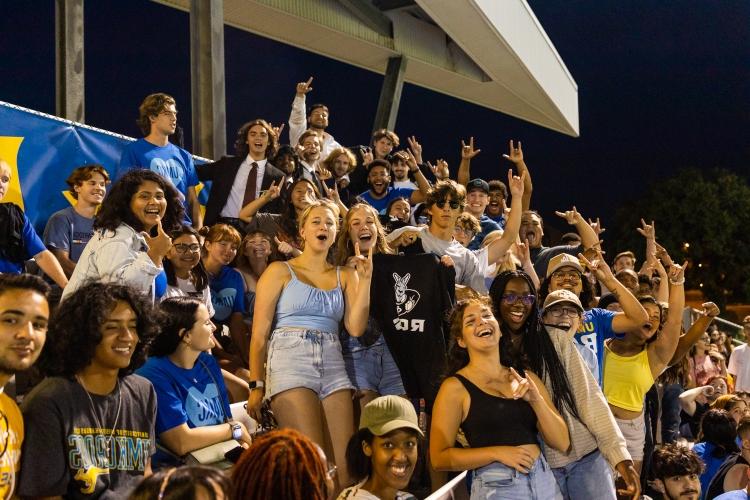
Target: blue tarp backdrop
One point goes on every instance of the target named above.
(42, 150)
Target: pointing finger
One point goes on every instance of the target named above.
(309, 81)
(356, 249)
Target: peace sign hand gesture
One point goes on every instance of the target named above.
(362, 265)
(415, 148)
(304, 87)
(467, 150)
(159, 245)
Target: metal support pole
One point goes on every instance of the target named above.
(69, 74)
(390, 94)
(207, 84)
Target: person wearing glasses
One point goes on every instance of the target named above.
(186, 275)
(24, 315)
(547, 348)
(566, 273)
(380, 192)
(157, 119)
(445, 203)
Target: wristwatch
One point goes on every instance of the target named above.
(256, 384)
(236, 430)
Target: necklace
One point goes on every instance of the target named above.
(107, 440)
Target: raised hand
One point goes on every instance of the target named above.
(514, 154)
(332, 193)
(159, 245)
(599, 267)
(440, 169)
(648, 231)
(467, 150)
(277, 130)
(676, 273)
(710, 309)
(415, 148)
(572, 217)
(411, 161)
(663, 255)
(304, 87)
(367, 156)
(523, 252)
(283, 246)
(323, 173)
(515, 183)
(524, 388)
(596, 226)
(273, 191)
(363, 265)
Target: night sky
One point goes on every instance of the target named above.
(662, 86)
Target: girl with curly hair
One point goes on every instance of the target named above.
(130, 234)
(90, 424)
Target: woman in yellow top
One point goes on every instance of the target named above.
(634, 361)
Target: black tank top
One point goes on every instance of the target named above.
(497, 421)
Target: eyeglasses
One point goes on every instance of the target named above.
(462, 230)
(558, 312)
(512, 298)
(452, 203)
(185, 248)
(573, 276)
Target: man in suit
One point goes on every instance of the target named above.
(238, 180)
(307, 168)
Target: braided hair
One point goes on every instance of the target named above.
(281, 464)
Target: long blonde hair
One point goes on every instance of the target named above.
(344, 246)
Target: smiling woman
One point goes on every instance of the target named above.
(130, 240)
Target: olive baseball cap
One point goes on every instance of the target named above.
(388, 413)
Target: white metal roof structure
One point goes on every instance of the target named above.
(493, 53)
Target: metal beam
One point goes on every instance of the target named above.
(69, 74)
(369, 15)
(207, 83)
(390, 94)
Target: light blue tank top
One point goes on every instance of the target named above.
(303, 306)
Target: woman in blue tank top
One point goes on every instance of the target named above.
(299, 305)
(500, 412)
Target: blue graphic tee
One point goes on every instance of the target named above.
(595, 328)
(169, 161)
(196, 397)
(227, 294)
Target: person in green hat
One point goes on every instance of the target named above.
(383, 453)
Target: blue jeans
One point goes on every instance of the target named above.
(372, 368)
(588, 477)
(497, 481)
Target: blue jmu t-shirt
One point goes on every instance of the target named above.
(32, 244)
(595, 328)
(227, 294)
(169, 161)
(392, 193)
(196, 397)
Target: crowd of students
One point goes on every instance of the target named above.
(397, 323)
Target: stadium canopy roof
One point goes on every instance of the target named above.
(493, 53)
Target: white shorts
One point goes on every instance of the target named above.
(634, 432)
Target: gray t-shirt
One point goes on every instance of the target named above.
(470, 265)
(66, 230)
(65, 450)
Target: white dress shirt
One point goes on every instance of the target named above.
(237, 194)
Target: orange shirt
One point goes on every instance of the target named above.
(11, 438)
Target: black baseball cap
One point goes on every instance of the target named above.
(478, 184)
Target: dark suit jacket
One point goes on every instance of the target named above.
(222, 174)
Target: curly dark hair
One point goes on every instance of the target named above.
(183, 482)
(587, 295)
(288, 221)
(75, 328)
(115, 209)
(673, 459)
(718, 428)
(537, 352)
(240, 142)
(175, 314)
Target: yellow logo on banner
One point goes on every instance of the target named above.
(9, 147)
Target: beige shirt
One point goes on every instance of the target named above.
(597, 427)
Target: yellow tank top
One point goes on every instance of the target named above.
(626, 379)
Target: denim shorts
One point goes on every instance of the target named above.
(372, 368)
(497, 481)
(310, 359)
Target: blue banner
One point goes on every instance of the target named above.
(42, 150)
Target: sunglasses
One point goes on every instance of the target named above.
(453, 204)
(512, 298)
